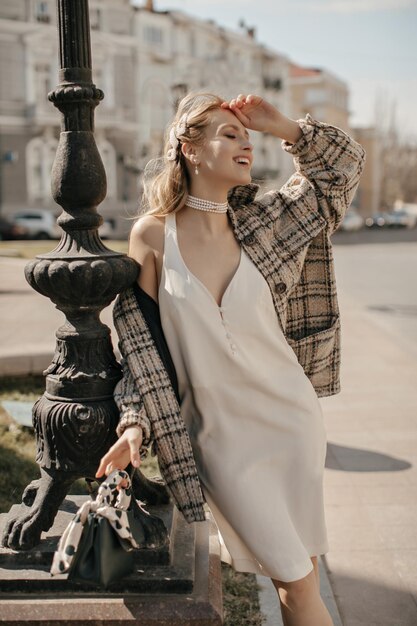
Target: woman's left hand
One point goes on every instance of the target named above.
(257, 114)
(254, 112)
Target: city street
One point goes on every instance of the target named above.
(371, 464)
(379, 270)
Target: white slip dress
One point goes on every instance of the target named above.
(254, 419)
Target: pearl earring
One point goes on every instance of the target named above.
(196, 169)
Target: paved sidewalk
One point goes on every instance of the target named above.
(28, 322)
(371, 464)
(371, 476)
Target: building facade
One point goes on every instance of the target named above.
(178, 53)
(326, 97)
(145, 60)
(320, 93)
(30, 124)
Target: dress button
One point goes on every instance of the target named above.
(280, 287)
(249, 240)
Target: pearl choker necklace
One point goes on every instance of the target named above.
(206, 205)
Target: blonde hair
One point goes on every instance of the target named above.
(166, 183)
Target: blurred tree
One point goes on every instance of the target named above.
(398, 156)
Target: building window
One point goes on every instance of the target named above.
(153, 35)
(316, 95)
(340, 99)
(108, 156)
(273, 83)
(40, 155)
(9, 10)
(95, 19)
(43, 82)
(42, 13)
(192, 45)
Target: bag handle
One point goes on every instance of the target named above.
(109, 495)
(101, 506)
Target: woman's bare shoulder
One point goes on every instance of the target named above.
(147, 234)
(146, 246)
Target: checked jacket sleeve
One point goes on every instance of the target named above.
(132, 412)
(328, 165)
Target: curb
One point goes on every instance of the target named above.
(30, 363)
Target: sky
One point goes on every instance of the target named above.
(370, 44)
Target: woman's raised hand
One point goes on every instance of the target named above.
(257, 114)
(254, 112)
(123, 452)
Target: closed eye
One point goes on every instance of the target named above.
(232, 136)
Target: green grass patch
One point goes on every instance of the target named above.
(240, 598)
(23, 388)
(18, 447)
(17, 461)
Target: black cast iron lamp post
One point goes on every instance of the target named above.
(75, 419)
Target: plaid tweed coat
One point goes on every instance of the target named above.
(286, 233)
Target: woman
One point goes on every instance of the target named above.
(247, 302)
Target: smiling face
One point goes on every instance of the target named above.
(227, 154)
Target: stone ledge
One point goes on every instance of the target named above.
(169, 569)
(202, 606)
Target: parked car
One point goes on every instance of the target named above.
(40, 223)
(410, 207)
(401, 218)
(352, 220)
(107, 229)
(377, 220)
(9, 230)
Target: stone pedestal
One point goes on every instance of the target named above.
(178, 585)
